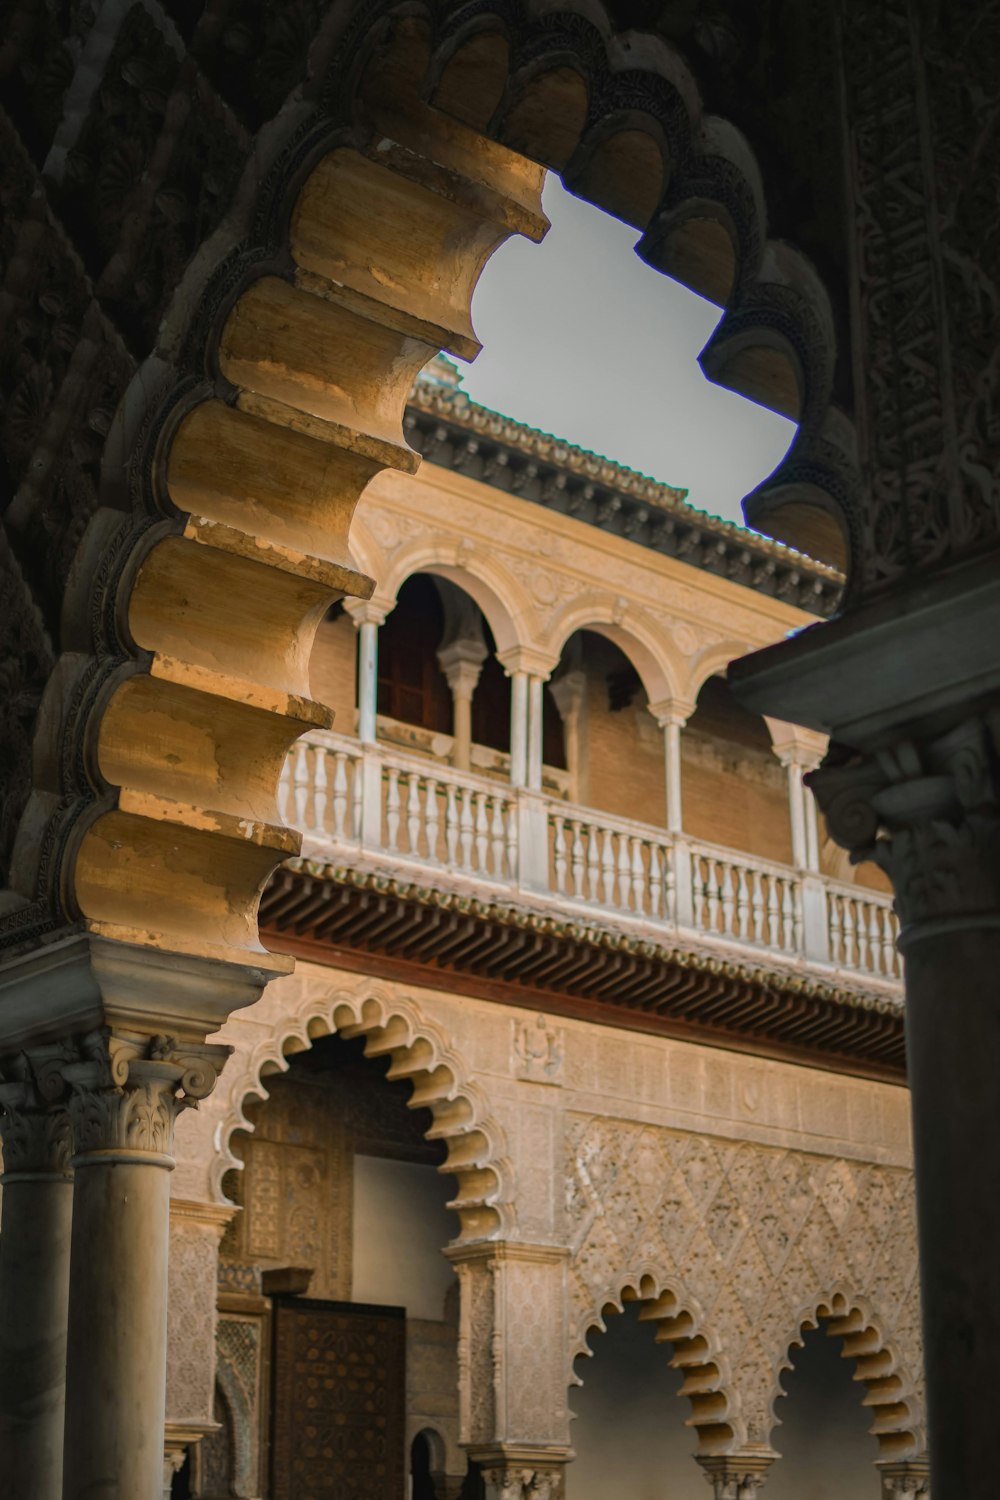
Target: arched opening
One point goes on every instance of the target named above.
(824, 1439)
(629, 1432)
(607, 727)
(339, 1172)
(735, 790)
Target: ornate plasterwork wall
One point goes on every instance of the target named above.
(736, 1197)
(538, 576)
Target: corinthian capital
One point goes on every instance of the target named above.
(928, 814)
(906, 1481)
(34, 1125)
(127, 1091)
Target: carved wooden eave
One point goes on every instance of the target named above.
(454, 432)
(371, 923)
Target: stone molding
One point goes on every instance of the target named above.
(928, 813)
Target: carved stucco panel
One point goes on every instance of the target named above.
(191, 1302)
(758, 1237)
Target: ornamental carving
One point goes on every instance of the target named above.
(539, 1047)
(926, 813)
(757, 1238)
(127, 1092)
(34, 1126)
(523, 1483)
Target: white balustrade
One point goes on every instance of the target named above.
(863, 929)
(746, 899)
(375, 801)
(611, 863)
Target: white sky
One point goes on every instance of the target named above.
(583, 340)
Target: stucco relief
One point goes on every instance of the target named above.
(194, 1249)
(759, 1238)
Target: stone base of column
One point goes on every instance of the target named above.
(906, 1481)
(738, 1476)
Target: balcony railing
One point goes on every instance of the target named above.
(417, 817)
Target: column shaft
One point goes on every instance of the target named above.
(367, 680)
(34, 1295)
(116, 1366)
(518, 728)
(797, 814)
(953, 1037)
(535, 710)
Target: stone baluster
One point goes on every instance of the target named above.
(34, 1272)
(126, 1093)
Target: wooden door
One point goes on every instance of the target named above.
(338, 1392)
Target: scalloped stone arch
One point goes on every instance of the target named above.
(697, 1353)
(891, 1392)
(630, 629)
(419, 1053)
(607, 110)
(502, 598)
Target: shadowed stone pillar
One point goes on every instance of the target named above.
(127, 1091)
(928, 812)
(570, 694)
(34, 1275)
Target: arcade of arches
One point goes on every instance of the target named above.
(534, 852)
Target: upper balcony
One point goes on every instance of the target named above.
(417, 818)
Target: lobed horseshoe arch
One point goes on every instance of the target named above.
(290, 348)
(890, 1391)
(418, 1053)
(697, 1353)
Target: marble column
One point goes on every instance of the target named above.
(928, 813)
(127, 1091)
(536, 689)
(367, 625)
(672, 722)
(518, 727)
(737, 1476)
(34, 1276)
(462, 664)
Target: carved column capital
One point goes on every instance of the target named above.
(737, 1476)
(519, 1482)
(34, 1125)
(127, 1090)
(928, 814)
(906, 1481)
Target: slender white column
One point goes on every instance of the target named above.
(812, 830)
(34, 1292)
(797, 812)
(127, 1093)
(535, 689)
(367, 679)
(518, 728)
(672, 727)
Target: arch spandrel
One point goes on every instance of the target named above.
(627, 626)
(503, 599)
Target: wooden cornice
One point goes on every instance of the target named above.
(373, 924)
